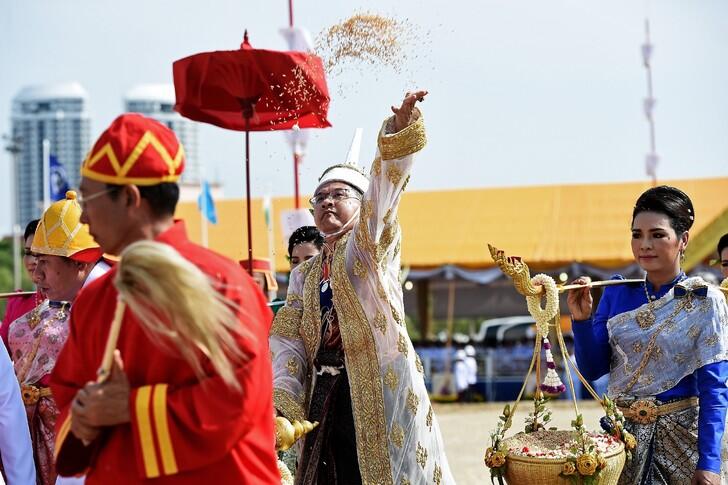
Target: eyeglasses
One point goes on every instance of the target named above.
(336, 195)
(83, 201)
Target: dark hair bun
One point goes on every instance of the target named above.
(722, 244)
(305, 234)
(670, 201)
(31, 228)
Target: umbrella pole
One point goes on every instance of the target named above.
(247, 194)
(296, 160)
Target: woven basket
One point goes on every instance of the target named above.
(526, 470)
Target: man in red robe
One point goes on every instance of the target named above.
(154, 418)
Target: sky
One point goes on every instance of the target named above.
(522, 92)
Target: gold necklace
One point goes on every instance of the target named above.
(34, 318)
(646, 317)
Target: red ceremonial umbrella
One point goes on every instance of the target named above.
(252, 90)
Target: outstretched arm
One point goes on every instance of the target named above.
(400, 137)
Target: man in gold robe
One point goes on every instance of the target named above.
(341, 352)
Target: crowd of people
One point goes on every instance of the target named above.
(184, 401)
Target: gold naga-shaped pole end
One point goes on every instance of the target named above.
(515, 268)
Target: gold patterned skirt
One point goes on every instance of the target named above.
(667, 449)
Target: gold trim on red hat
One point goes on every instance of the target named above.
(122, 169)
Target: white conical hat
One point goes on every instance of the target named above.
(349, 171)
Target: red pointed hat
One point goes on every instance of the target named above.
(265, 267)
(135, 150)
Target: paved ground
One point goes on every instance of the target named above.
(466, 431)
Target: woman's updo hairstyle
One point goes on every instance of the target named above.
(670, 201)
(305, 234)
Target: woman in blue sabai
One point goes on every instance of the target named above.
(664, 344)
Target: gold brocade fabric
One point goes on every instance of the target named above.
(689, 333)
(408, 141)
(288, 405)
(667, 450)
(398, 438)
(286, 322)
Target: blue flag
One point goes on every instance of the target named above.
(58, 179)
(206, 204)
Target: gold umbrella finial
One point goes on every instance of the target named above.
(287, 432)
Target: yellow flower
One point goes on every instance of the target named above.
(494, 459)
(488, 456)
(630, 442)
(568, 468)
(586, 464)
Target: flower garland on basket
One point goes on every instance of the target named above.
(613, 423)
(495, 455)
(584, 461)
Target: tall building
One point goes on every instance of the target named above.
(57, 113)
(157, 101)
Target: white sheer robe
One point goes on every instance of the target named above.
(397, 434)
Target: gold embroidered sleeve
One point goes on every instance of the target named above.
(406, 142)
(287, 322)
(376, 167)
(288, 405)
(397, 435)
(387, 238)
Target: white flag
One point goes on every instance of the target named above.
(651, 161)
(648, 105)
(647, 53)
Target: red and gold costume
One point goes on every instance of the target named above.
(183, 430)
(264, 277)
(36, 337)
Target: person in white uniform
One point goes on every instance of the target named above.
(16, 450)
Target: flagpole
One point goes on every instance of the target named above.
(17, 280)
(296, 156)
(203, 211)
(652, 158)
(203, 217)
(13, 147)
(271, 252)
(46, 174)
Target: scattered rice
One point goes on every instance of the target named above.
(555, 444)
(371, 44)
